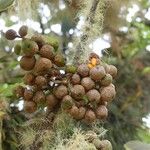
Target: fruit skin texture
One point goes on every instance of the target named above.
(106, 80)
(18, 91)
(106, 145)
(29, 48)
(87, 83)
(93, 95)
(10, 34)
(77, 92)
(75, 79)
(97, 143)
(83, 70)
(108, 93)
(23, 31)
(67, 102)
(28, 95)
(39, 97)
(17, 49)
(42, 65)
(111, 69)
(97, 73)
(81, 113)
(51, 101)
(102, 112)
(30, 106)
(61, 91)
(89, 116)
(70, 69)
(29, 79)
(74, 112)
(27, 63)
(59, 60)
(47, 51)
(38, 39)
(40, 81)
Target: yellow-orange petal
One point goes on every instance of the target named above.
(93, 61)
(90, 66)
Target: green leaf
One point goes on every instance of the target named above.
(146, 70)
(5, 4)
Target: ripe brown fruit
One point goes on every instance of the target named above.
(67, 102)
(39, 97)
(23, 31)
(83, 70)
(40, 81)
(59, 60)
(61, 91)
(106, 80)
(27, 63)
(54, 72)
(102, 112)
(29, 78)
(10, 34)
(81, 113)
(19, 91)
(47, 51)
(30, 106)
(29, 48)
(75, 79)
(38, 39)
(93, 55)
(28, 95)
(42, 65)
(93, 95)
(51, 101)
(108, 93)
(111, 69)
(87, 83)
(89, 116)
(77, 92)
(74, 112)
(97, 73)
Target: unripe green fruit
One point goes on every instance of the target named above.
(106, 80)
(70, 69)
(67, 102)
(17, 49)
(23, 31)
(10, 34)
(29, 47)
(59, 60)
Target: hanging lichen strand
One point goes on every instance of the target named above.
(93, 12)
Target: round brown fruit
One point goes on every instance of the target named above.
(47, 51)
(97, 73)
(39, 97)
(106, 80)
(10, 34)
(111, 69)
(23, 31)
(67, 102)
(51, 101)
(83, 70)
(107, 93)
(77, 92)
(59, 60)
(38, 39)
(40, 81)
(87, 83)
(28, 95)
(93, 95)
(30, 106)
(93, 55)
(19, 91)
(90, 116)
(29, 79)
(102, 112)
(74, 112)
(81, 113)
(27, 63)
(42, 65)
(75, 79)
(61, 91)
(29, 48)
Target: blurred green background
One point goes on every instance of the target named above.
(125, 42)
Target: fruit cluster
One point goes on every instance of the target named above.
(83, 91)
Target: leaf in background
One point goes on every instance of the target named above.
(146, 70)
(136, 145)
(5, 4)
